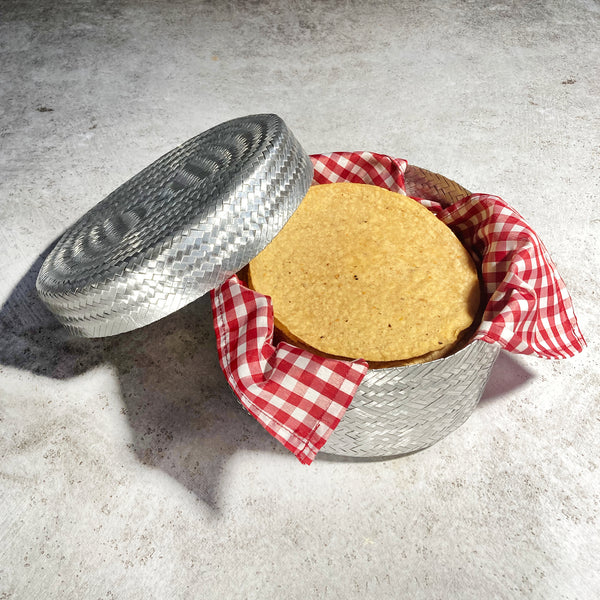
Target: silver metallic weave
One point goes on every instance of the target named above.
(177, 229)
(399, 410)
(403, 409)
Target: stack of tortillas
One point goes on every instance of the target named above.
(362, 272)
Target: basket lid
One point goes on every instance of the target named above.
(177, 229)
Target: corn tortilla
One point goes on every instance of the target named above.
(362, 272)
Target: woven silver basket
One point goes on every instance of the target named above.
(404, 409)
(399, 410)
(200, 213)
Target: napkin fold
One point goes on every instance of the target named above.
(300, 397)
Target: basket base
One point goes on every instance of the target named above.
(401, 410)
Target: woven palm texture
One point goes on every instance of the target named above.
(177, 229)
(399, 410)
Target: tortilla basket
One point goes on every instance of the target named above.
(197, 215)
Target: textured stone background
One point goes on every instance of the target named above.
(127, 470)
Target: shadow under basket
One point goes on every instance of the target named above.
(399, 410)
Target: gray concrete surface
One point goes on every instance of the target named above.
(126, 468)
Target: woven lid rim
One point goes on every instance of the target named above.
(248, 173)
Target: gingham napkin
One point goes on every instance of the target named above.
(300, 398)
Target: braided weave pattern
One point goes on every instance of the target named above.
(421, 183)
(177, 229)
(403, 409)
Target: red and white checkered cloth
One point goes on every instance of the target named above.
(300, 398)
